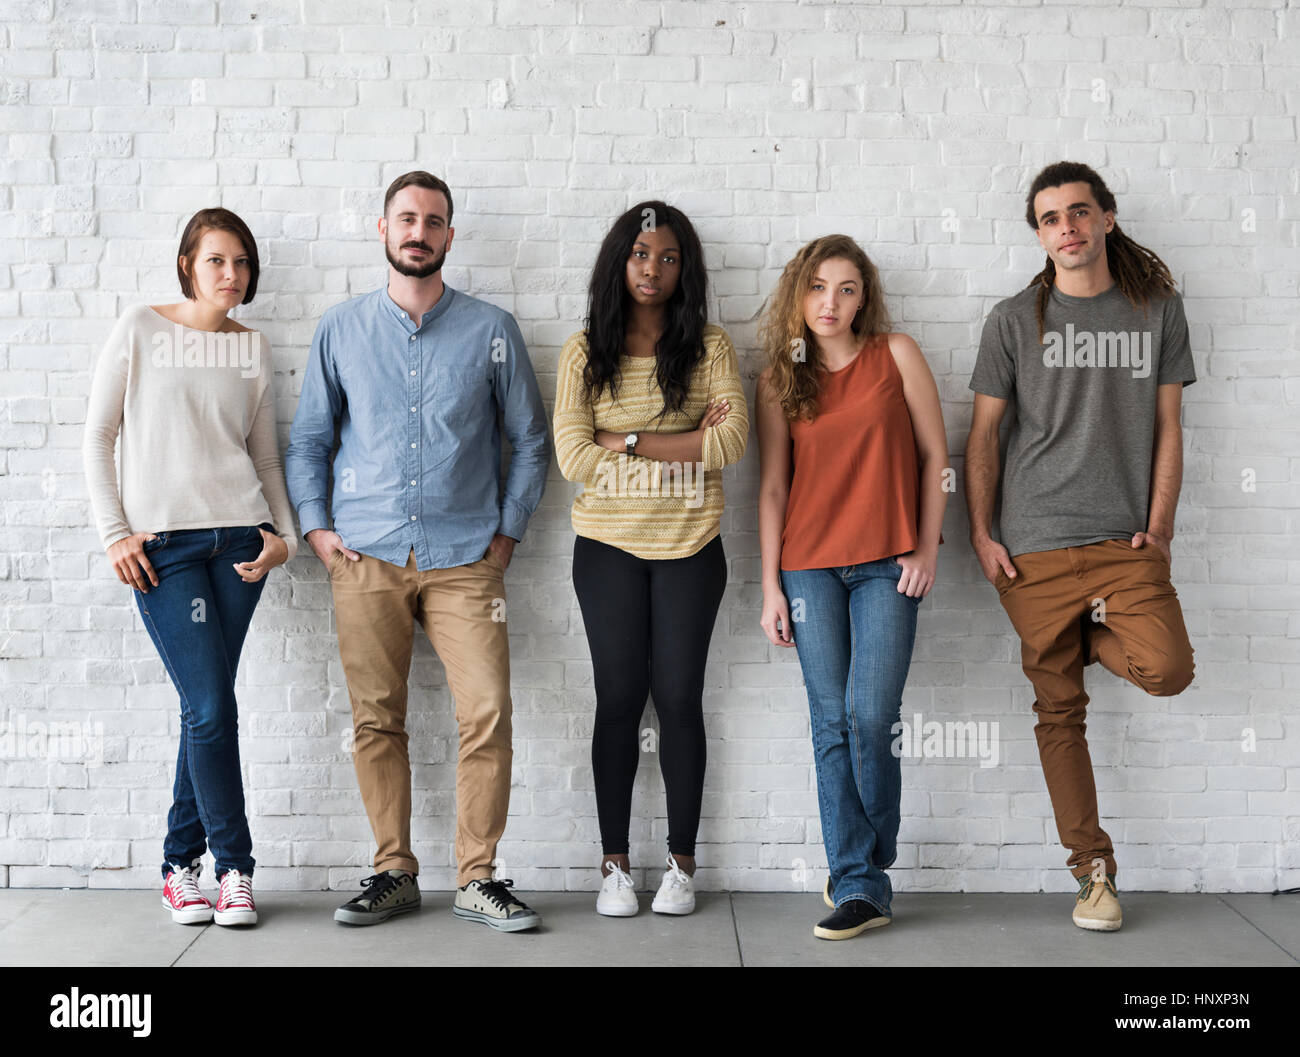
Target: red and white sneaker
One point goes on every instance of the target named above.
(182, 897)
(235, 904)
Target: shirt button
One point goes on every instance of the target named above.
(412, 374)
(412, 445)
(413, 411)
(412, 483)
(412, 337)
(412, 517)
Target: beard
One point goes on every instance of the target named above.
(416, 271)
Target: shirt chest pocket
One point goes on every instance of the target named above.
(461, 394)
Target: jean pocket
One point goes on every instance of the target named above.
(157, 543)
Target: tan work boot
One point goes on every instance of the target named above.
(1096, 907)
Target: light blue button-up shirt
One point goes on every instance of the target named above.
(418, 464)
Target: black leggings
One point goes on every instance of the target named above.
(648, 623)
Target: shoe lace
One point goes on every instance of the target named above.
(236, 889)
(498, 892)
(676, 876)
(375, 887)
(621, 879)
(186, 881)
(1092, 880)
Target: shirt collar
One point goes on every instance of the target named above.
(396, 310)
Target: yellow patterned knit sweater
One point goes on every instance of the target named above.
(628, 501)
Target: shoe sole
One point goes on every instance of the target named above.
(235, 917)
(848, 934)
(679, 911)
(500, 924)
(618, 912)
(189, 917)
(365, 917)
(1098, 924)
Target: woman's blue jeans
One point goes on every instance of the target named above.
(197, 617)
(854, 633)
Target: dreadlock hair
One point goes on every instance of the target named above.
(1137, 271)
(794, 379)
(681, 345)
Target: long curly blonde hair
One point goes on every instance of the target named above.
(784, 333)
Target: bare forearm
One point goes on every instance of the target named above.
(982, 472)
(662, 447)
(934, 500)
(1166, 481)
(771, 527)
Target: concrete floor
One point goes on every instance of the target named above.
(55, 927)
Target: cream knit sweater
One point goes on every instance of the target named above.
(196, 415)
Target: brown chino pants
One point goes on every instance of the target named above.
(1051, 603)
(462, 610)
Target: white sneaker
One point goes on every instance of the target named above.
(676, 894)
(617, 897)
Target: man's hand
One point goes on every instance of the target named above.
(992, 557)
(1161, 543)
(325, 542)
(503, 547)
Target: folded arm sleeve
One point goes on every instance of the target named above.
(725, 442)
(579, 456)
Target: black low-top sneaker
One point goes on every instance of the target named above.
(854, 917)
(385, 894)
(493, 904)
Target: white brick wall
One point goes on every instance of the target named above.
(913, 127)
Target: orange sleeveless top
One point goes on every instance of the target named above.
(855, 489)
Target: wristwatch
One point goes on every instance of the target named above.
(630, 442)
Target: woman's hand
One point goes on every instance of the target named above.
(775, 608)
(127, 558)
(714, 415)
(918, 571)
(274, 552)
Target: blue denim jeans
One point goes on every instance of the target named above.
(197, 617)
(855, 646)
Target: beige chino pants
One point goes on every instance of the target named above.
(462, 611)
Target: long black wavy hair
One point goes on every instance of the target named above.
(681, 345)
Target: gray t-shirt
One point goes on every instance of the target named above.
(1078, 463)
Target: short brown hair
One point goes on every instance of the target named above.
(418, 178)
(218, 219)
